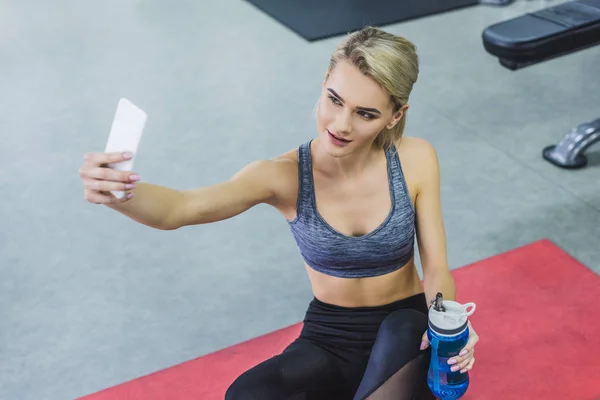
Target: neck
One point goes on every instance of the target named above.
(352, 165)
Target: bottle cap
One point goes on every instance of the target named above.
(447, 317)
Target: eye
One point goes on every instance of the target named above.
(367, 116)
(335, 101)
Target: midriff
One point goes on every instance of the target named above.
(366, 292)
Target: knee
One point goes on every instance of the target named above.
(400, 335)
(259, 383)
(241, 388)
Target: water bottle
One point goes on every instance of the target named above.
(448, 333)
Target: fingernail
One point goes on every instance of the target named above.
(134, 178)
(129, 186)
(454, 368)
(452, 361)
(463, 371)
(129, 195)
(127, 155)
(423, 345)
(462, 353)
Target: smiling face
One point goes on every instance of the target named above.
(352, 110)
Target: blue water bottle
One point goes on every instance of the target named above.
(448, 334)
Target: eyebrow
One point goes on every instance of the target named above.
(373, 110)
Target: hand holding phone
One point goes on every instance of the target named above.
(107, 176)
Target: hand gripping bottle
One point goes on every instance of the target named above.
(448, 334)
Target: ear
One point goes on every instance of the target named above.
(397, 116)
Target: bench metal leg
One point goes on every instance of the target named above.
(568, 153)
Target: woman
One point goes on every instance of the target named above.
(355, 197)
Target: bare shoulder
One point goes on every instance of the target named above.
(286, 166)
(416, 147)
(283, 169)
(419, 160)
(275, 169)
(287, 159)
(279, 175)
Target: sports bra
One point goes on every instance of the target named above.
(381, 251)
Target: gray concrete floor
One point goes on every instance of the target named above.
(90, 299)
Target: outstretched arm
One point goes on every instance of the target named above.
(252, 185)
(167, 209)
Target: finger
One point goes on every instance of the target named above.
(106, 186)
(461, 364)
(424, 341)
(108, 174)
(464, 363)
(466, 350)
(469, 366)
(464, 354)
(97, 158)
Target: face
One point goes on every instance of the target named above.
(352, 110)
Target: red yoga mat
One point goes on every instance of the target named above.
(538, 318)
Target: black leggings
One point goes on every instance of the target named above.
(347, 354)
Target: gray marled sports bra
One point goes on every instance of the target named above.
(386, 249)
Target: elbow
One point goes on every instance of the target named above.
(167, 227)
(160, 225)
(175, 216)
(169, 224)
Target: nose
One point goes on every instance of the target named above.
(343, 123)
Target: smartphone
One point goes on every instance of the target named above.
(125, 135)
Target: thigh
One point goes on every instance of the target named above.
(396, 364)
(304, 371)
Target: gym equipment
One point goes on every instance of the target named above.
(543, 35)
(568, 153)
(320, 19)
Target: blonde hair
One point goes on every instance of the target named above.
(388, 59)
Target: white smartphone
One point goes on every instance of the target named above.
(125, 135)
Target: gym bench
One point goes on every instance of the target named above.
(539, 36)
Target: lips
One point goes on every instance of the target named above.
(341, 139)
